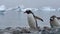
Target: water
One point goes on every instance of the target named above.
(17, 19)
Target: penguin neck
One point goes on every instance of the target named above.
(30, 15)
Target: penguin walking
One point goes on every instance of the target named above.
(32, 19)
(54, 21)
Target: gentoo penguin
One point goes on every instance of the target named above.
(54, 21)
(32, 19)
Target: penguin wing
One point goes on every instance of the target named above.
(38, 18)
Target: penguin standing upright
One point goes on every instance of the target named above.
(54, 21)
(32, 19)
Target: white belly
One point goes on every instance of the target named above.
(31, 21)
(56, 23)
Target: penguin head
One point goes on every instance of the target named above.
(28, 12)
(52, 18)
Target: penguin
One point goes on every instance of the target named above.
(54, 21)
(32, 19)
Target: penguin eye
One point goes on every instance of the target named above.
(51, 18)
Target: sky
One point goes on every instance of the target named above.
(31, 3)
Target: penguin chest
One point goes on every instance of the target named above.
(56, 23)
(31, 21)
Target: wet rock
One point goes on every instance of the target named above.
(16, 32)
(8, 28)
(46, 30)
(25, 31)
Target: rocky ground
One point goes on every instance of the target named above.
(19, 30)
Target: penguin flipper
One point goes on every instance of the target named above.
(38, 18)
